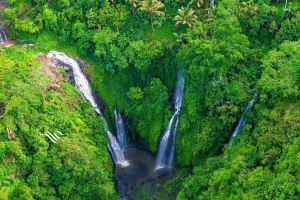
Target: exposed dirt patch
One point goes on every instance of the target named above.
(52, 71)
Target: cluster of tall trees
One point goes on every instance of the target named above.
(229, 51)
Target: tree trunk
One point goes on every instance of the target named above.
(2, 110)
(151, 16)
(10, 133)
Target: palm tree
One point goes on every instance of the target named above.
(199, 3)
(249, 9)
(133, 4)
(185, 16)
(211, 14)
(152, 7)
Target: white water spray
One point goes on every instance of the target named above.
(121, 133)
(116, 151)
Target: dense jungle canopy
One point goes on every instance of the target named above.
(231, 51)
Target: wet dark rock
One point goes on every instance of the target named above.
(69, 71)
(3, 4)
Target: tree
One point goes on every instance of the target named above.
(106, 48)
(148, 110)
(133, 5)
(214, 53)
(142, 54)
(112, 15)
(249, 9)
(152, 7)
(290, 30)
(284, 186)
(280, 77)
(50, 19)
(199, 3)
(185, 16)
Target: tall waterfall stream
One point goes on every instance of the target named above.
(166, 150)
(242, 120)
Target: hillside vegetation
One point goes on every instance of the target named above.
(35, 98)
(230, 52)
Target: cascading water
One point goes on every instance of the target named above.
(179, 92)
(172, 152)
(116, 151)
(242, 120)
(80, 81)
(212, 3)
(162, 159)
(3, 35)
(121, 133)
(82, 84)
(166, 150)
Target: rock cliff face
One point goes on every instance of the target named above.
(3, 4)
(3, 34)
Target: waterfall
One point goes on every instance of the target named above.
(166, 149)
(212, 3)
(116, 151)
(121, 133)
(3, 35)
(242, 120)
(80, 81)
(162, 157)
(172, 152)
(82, 84)
(178, 92)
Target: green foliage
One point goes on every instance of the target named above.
(50, 20)
(185, 16)
(288, 31)
(135, 93)
(163, 33)
(142, 54)
(215, 54)
(112, 15)
(108, 50)
(148, 110)
(261, 162)
(152, 7)
(78, 165)
(227, 58)
(280, 76)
